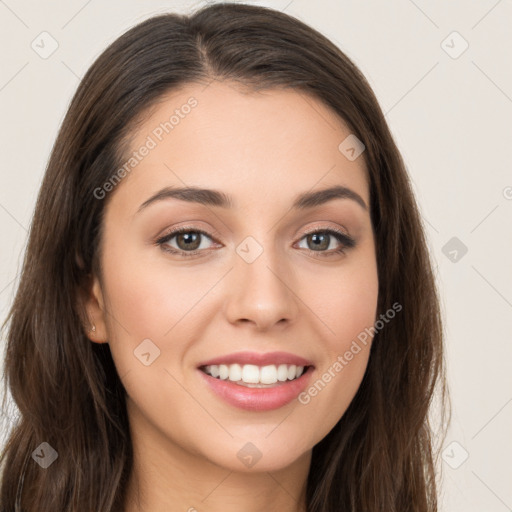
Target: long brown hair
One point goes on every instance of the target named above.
(381, 455)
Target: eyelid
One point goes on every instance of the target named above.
(315, 229)
(169, 234)
(215, 233)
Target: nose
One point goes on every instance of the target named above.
(262, 292)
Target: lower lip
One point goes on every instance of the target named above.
(258, 399)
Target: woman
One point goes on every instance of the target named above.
(227, 300)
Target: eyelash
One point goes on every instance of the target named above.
(346, 241)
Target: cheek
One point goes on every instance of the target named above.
(153, 301)
(347, 305)
(147, 301)
(147, 297)
(346, 302)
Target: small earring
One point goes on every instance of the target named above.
(93, 329)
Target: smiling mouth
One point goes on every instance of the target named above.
(253, 376)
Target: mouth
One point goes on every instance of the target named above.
(257, 382)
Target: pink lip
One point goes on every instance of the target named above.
(258, 359)
(258, 399)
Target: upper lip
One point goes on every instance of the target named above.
(258, 359)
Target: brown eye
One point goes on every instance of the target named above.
(188, 241)
(318, 241)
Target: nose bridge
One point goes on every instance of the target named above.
(260, 289)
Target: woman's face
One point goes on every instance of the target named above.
(267, 290)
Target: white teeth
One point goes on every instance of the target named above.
(268, 374)
(282, 373)
(252, 374)
(223, 371)
(235, 372)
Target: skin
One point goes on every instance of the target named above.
(263, 149)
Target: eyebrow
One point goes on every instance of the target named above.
(209, 197)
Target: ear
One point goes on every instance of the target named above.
(93, 305)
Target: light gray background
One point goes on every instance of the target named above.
(451, 118)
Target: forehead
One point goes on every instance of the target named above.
(263, 146)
